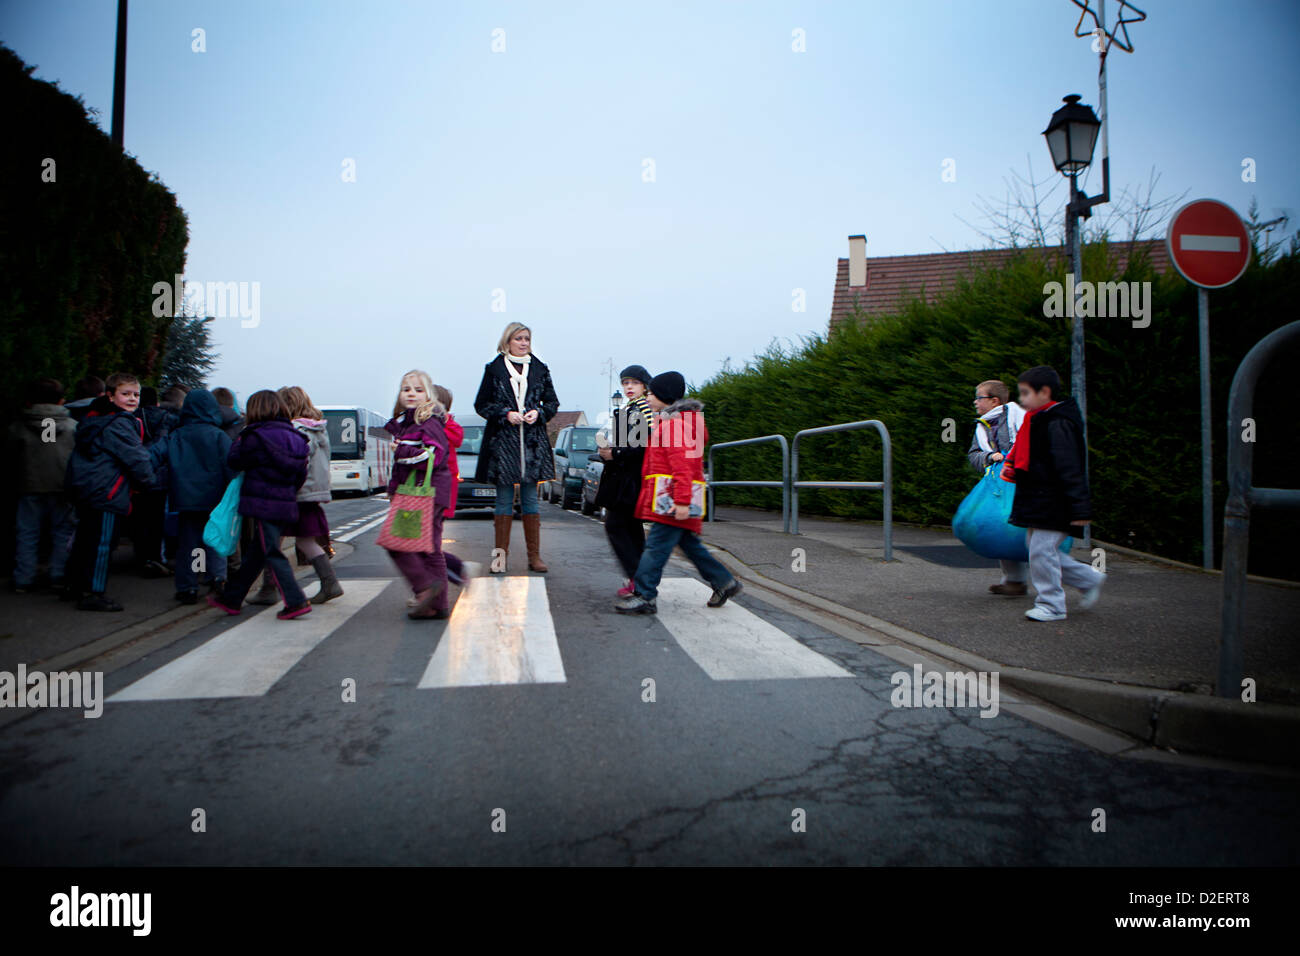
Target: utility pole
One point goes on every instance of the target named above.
(119, 77)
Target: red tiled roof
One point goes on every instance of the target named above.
(563, 420)
(894, 280)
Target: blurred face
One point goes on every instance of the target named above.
(984, 402)
(126, 396)
(1030, 399)
(632, 388)
(521, 343)
(655, 404)
(413, 392)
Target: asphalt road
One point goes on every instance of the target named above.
(563, 759)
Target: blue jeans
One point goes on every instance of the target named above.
(506, 497)
(659, 544)
(38, 515)
(264, 552)
(189, 537)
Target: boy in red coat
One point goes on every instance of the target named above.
(672, 497)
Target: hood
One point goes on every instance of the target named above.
(34, 416)
(309, 424)
(682, 405)
(101, 413)
(228, 415)
(1065, 408)
(201, 408)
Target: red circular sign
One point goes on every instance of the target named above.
(1208, 243)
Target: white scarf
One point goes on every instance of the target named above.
(518, 377)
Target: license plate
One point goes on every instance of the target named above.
(484, 492)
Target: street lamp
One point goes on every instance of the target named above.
(1071, 137)
(616, 401)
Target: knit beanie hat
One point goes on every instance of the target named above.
(637, 372)
(668, 387)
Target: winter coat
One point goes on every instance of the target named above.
(232, 423)
(273, 457)
(676, 448)
(620, 479)
(41, 466)
(1053, 491)
(108, 459)
(998, 434)
(499, 460)
(455, 437)
(197, 452)
(158, 424)
(317, 485)
(429, 434)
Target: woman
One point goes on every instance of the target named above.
(516, 399)
(620, 480)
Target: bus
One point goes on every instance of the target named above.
(361, 453)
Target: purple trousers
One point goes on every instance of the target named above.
(425, 569)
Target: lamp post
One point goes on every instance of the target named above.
(1071, 137)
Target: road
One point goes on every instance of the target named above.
(508, 737)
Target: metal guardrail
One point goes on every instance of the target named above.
(1242, 497)
(783, 484)
(886, 484)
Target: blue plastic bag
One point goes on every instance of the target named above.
(982, 521)
(221, 533)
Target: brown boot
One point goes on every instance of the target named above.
(502, 525)
(1010, 589)
(533, 539)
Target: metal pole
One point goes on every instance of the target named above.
(1078, 375)
(1207, 484)
(119, 77)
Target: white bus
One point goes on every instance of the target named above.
(361, 456)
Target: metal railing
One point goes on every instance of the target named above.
(783, 484)
(886, 484)
(1242, 497)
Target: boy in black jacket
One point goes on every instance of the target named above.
(1052, 498)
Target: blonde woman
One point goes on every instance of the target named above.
(516, 399)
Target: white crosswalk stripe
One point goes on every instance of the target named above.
(731, 642)
(500, 632)
(248, 659)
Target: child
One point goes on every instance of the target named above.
(40, 444)
(312, 524)
(458, 571)
(620, 481)
(674, 460)
(108, 461)
(149, 505)
(1052, 499)
(197, 453)
(417, 427)
(273, 456)
(995, 432)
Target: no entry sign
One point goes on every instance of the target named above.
(1208, 244)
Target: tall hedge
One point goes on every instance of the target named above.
(918, 368)
(79, 254)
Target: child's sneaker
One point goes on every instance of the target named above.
(189, 596)
(298, 610)
(720, 597)
(1037, 613)
(98, 602)
(627, 590)
(635, 604)
(1090, 596)
(216, 601)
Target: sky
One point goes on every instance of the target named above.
(638, 183)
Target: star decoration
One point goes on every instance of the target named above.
(1121, 25)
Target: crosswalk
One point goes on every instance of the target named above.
(501, 632)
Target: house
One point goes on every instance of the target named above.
(881, 285)
(564, 420)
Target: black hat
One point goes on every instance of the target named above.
(637, 372)
(668, 387)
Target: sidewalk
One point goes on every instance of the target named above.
(45, 633)
(1153, 634)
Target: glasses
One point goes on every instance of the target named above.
(982, 398)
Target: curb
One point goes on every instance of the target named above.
(1174, 720)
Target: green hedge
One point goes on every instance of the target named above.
(79, 255)
(916, 369)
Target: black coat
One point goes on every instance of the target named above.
(1054, 490)
(499, 460)
(620, 480)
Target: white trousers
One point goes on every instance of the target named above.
(1014, 572)
(1049, 568)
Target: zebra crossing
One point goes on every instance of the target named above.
(501, 632)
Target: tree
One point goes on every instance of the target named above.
(189, 356)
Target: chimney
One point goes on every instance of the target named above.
(857, 261)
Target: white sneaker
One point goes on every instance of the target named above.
(1090, 596)
(1037, 613)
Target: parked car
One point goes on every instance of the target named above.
(590, 483)
(469, 493)
(573, 444)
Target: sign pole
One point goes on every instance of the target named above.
(1207, 483)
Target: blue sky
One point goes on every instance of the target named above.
(523, 170)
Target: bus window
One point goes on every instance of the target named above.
(345, 435)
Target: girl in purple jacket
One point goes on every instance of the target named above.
(273, 456)
(416, 427)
